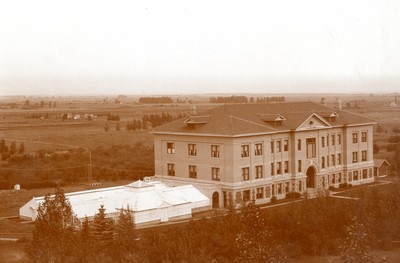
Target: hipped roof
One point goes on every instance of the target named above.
(242, 119)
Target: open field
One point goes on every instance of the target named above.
(54, 134)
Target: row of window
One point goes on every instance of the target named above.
(276, 146)
(332, 140)
(215, 171)
(192, 149)
(363, 156)
(332, 161)
(359, 175)
(363, 137)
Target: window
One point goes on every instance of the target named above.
(355, 175)
(260, 193)
(279, 168)
(339, 159)
(272, 147)
(322, 142)
(259, 149)
(333, 139)
(170, 148)
(245, 174)
(192, 171)
(279, 189)
(339, 139)
(355, 157)
(355, 137)
(364, 156)
(299, 144)
(259, 171)
(365, 174)
(215, 151)
(339, 180)
(299, 168)
(287, 187)
(246, 195)
(286, 145)
(273, 189)
(215, 172)
(192, 149)
(272, 169)
(278, 146)
(171, 169)
(286, 167)
(323, 162)
(364, 137)
(333, 160)
(300, 186)
(327, 140)
(333, 179)
(311, 148)
(327, 161)
(245, 150)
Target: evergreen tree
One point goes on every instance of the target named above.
(21, 148)
(53, 239)
(13, 148)
(253, 239)
(102, 228)
(355, 248)
(125, 243)
(2, 145)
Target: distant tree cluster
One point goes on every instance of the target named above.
(155, 100)
(112, 117)
(231, 99)
(49, 169)
(270, 99)
(152, 120)
(8, 151)
(38, 116)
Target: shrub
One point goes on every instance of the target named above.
(274, 199)
(292, 195)
(331, 188)
(343, 185)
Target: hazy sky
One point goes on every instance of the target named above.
(164, 47)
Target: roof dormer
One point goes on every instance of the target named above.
(330, 116)
(273, 119)
(192, 121)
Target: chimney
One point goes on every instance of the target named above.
(193, 111)
(338, 103)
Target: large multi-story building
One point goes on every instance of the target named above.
(239, 152)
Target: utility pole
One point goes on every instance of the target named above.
(90, 167)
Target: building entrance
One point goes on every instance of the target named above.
(215, 200)
(310, 177)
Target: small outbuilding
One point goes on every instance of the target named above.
(150, 202)
(381, 168)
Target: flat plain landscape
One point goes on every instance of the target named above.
(51, 127)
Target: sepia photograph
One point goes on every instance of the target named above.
(200, 131)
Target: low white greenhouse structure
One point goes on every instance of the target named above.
(150, 202)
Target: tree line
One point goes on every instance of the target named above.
(51, 168)
(152, 120)
(8, 151)
(154, 100)
(244, 99)
(320, 226)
